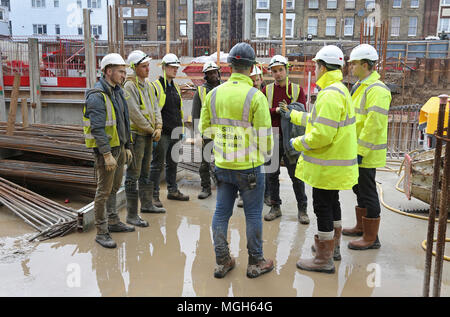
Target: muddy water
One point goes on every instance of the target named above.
(175, 257)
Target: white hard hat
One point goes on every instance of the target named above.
(256, 71)
(364, 51)
(171, 60)
(112, 59)
(137, 57)
(330, 54)
(210, 66)
(278, 60)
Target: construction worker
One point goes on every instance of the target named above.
(146, 127)
(171, 104)
(283, 91)
(107, 131)
(212, 78)
(328, 161)
(236, 116)
(371, 100)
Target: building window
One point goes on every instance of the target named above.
(290, 20)
(40, 29)
(290, 5)
(1, 15)
(161, 9)
(136, 27)
(397, 4)
(370, 4)
(183, 28)
(331, 27)
(312, 26)
(445, 2)
(348, 26)
(161, 32)
(79, 5)
(314, 4)
(94, 4)
(96, 30)
(331, 4)
(56, 3)
(262, 25)
(262, 4)
(38, 3)
(444, 25)
(414, 3)
(395, 29)
(412, 30)
(5, 3)
(80, 30)
(350, 4)
(57, 29)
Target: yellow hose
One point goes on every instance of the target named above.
(424, 246)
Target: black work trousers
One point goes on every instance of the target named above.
(327, 208)
(366, 192)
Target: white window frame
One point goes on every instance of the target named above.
(288, 7)
(310, 26)
(262, 16)
(326, 26)
(352, 25)
(258, 7)
(185, 28)
(315, 1)
(415, 27)
(447, 20)
(34, 4)
(98, 4)
(96, 27)
(398, 6)
(332, 8)
(2, 16)
(289, 16)
(415, 6)
(399, 19)
(37, 26)
(348, 2)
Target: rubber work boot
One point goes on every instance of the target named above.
(267, 201)
(205, 193)
(323, 260)
(111, 209)
(105, 241)
(369, 239)
(302, 215)
(222, 268)
(177, 196)
(240, 203)
(337, 244)
(357, 230)
(146, 197)
(261, 267)
(274, 213)
(132, 211)
(156, 201)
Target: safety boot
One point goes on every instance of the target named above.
(267, 201)
(275, 212)
(205, 193)
(369, 239)
(323, 260)
(111, 210)
(177, 195)
(146, 197)
(223, 266)
(357, 230)
(105, 241)
(156, 201)
(302, 215)
(132, 210)
(255, 269)
(337, 244)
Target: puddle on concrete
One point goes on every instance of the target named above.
(175, 257)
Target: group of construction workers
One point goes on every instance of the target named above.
(247, 127)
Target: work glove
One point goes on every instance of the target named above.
(110, 162)
(291, 144)
(129, 156)
(360, 158)
(157, 135)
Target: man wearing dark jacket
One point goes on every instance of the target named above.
(212, 77)
(107, 132)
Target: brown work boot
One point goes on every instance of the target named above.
(274, 213)
(177, 195)
(262, 267)
(369, 239)
(323, 260)
(337, 244)
(224, 267)
(357, 230)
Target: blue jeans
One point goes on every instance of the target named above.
(229, 183)
(162, 153)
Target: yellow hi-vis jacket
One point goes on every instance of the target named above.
(295, 91)
(202, 94)
(371, 101)
(110, 126)
(329, 159)
(161, 95)
(236, 116)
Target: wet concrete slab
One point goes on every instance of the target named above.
(175, 256)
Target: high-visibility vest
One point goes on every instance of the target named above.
(241, 132)
(329, 159)
(146, 111)
(295, 90)
(371, 101)
(202, 94)
(161, 95)
(110, 126)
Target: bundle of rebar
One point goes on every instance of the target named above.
(72, 134)
(49, 218)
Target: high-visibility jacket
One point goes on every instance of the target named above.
(110, 126)
(329, 159)
(202, 94)
(371, 101)
(236, 116)
(161, 95)
(295, 90)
